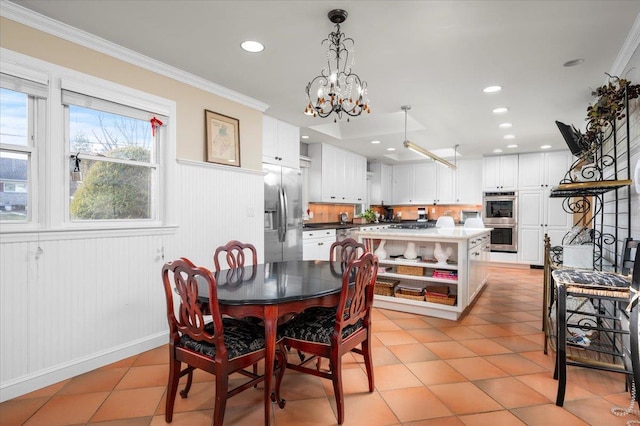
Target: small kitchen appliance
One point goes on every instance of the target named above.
(422, 214)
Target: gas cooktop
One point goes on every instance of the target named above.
(413, 225)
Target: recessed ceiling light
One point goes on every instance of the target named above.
(391, 149)
(505, 125)
(304, 137)
(374, 142)
(513, 145)
(500, 110)
(509, 136)
(573, 62)
(492, 89)
(545, 147)
(497, 150)
(252, 46)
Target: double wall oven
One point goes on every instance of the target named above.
(500, 212)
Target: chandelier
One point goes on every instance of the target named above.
(332, 89)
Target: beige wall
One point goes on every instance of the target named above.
(191, 102)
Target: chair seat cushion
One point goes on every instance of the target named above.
(316, 325)
(240, 338)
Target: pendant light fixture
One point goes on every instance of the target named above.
(418, 149)
(337, 89)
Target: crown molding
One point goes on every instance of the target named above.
(42, 23)
(627, 50)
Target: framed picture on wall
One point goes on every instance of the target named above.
(223, 139)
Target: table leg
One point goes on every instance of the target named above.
(270, 333)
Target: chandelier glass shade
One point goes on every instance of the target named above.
(337, 89)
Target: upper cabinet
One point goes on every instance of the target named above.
(469, 182)
(381, 183)
(336, 175)
(280, 143)
(423, 183)
(543, 169)
(500, 173)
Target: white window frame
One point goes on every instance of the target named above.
(51, 191)
(34, 84)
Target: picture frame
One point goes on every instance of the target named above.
(222, 138)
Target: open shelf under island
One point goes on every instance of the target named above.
(420, 284)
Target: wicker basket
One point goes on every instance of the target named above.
(438, 290)
(385, 287)
(410, 270)
(444, 300)
(410, 293)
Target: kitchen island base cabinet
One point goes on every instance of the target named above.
(464, 274)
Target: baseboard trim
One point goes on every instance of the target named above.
(49, 376)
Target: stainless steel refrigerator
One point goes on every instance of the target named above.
(282, 213)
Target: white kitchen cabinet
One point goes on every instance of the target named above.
(478, 259)
(316, 244)
(423, 183)
(500, 172)
(381, 183)
(539, 214)
(280, 143)
(445, 185)
(542, 169)
(355, 168)
(336, 175)
(402, 184)
(469, 182)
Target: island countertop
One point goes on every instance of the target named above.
(429, 234)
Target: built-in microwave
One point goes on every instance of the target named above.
(500, 207)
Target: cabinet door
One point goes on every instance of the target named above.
(491, 173)
(381, 182)
(469, 182)
(361, 179)
(556, 166)
(530, 208)
(531, 170)
(445, 191)
(269, 140)
(402, 184)
(509, 172)
(424, 183)
(289, 145)
(387, 184)
(530, 245)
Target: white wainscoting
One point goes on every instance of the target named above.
(72, 305)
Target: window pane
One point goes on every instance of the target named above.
(13, 117)
(111, 190)
(97, 132)
(13, 186)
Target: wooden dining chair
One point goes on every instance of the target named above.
(221, 347)
(235, 253)
(346, 250)
(347, 328)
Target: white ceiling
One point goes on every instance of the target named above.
(436, 56)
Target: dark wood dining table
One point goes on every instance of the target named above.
(270, 291)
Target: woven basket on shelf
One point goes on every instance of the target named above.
(410, 293)
(410, 270)
(385, 287)
(444, 300)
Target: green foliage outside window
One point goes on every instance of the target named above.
(114, 190)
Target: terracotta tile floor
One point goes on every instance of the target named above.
(486, 369)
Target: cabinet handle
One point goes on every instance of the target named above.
(320, 244)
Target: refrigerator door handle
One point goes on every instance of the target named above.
(281, 215)
(285, 210)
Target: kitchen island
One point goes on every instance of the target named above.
(434, 271)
